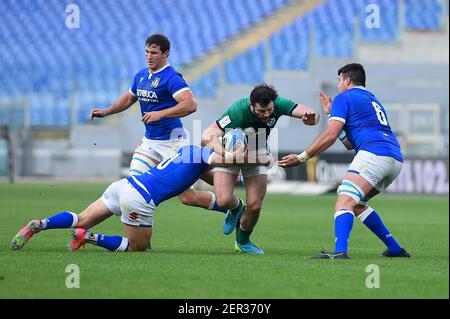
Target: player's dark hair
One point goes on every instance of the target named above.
(355, 72)
(263, 94)
(159, 40)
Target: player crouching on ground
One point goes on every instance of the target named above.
(135, 199)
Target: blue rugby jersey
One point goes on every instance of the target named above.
(155, 92)
(365, 122)
(174, 175)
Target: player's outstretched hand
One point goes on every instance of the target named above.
(326, 102)
(310, 118)
(289, 161)
(150, 117)
(97, 113)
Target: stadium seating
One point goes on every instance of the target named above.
(335, 26)
(41, 55)
(206, 87)
(423, 15)
(247, 67)
(290, 47)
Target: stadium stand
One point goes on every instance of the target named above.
(336, 25)
(247, 67)
(48, 61)
(424, 15)
(41, 55)
(206, 87)
(290, 47)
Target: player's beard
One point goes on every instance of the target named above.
(252, 110)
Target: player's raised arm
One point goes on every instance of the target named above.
(306, 114)
(186, 104)
(326, 102)
(211, 138)
(120, 105)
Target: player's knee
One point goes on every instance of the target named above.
(225, 200)
(188, 198)
(137, 245)
(349, 195)
(344, 202)
(254, 207)
(140, 164)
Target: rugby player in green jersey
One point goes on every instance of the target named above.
(256, 115)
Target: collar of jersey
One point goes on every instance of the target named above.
(359, 87)
(150, 73)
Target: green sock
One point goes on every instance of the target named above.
(242, 236)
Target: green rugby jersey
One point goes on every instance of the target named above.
(239, 115)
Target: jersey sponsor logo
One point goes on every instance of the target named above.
(155, 82)
(146, 93)
(225, 121)
(271, 122)
(147, 96)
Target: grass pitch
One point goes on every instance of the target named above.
(191, 258)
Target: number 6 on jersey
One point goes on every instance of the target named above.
(380, 114)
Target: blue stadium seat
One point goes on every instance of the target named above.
(388, 27)
(247, 67)
(423, 15)
(290, 47)
(206, 86)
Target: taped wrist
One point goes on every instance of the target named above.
(303, 157)
(342, 136)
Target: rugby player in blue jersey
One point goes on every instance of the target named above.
(164, 98)
(359, 120)
(135, 199)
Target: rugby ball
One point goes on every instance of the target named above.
(234, 139)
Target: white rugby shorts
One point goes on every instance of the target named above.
(123, 200)
(160, 150)
(379, 171)
(246, 171)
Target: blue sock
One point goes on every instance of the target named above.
(343, 223)
(61, 220)
(372, 220)
(112, 243)
(218, 208)
(214, 206)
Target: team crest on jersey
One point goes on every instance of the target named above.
(271, 122)
(155, 82)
